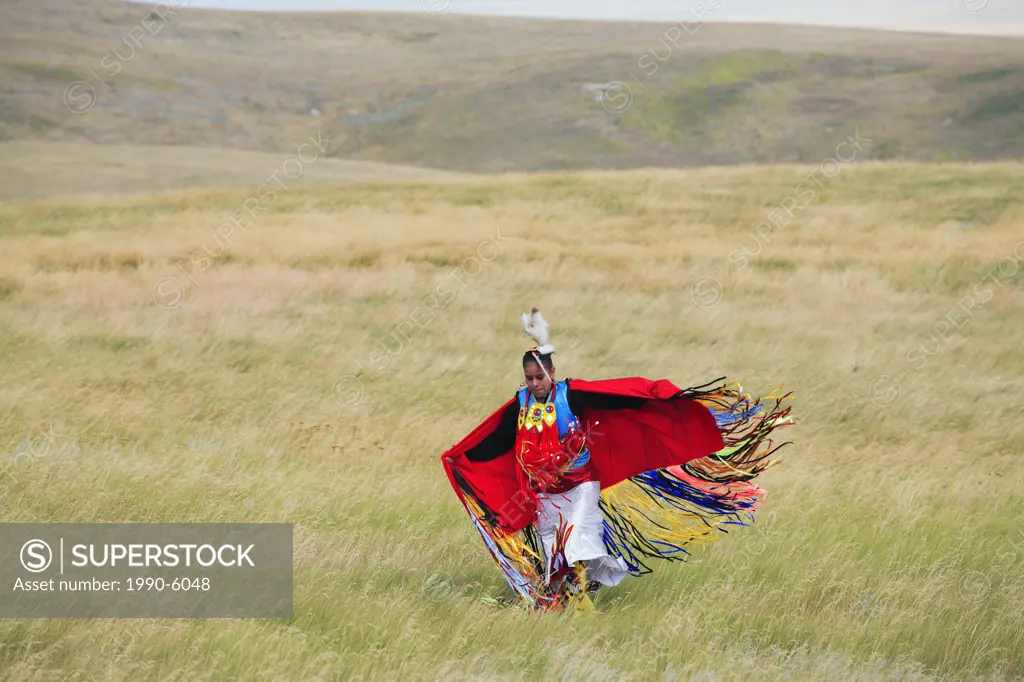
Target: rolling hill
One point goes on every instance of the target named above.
(35, 169)
(479, 94)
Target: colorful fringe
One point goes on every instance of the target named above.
(518, 555)
(660, 514)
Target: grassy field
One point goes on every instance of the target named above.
(495, 94)
(147, 381)
(37, 169)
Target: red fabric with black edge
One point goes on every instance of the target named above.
(663, 432)
(494, 482)
(660, 434)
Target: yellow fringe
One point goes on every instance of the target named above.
(657, 523)
(513, 546)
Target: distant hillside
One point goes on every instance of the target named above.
(33, 169)
(485, 94)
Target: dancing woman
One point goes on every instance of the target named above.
(574, 484)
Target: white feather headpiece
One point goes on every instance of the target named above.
(536, 326)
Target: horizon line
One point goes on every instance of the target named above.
(989, 32)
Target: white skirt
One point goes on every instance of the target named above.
(579, 508)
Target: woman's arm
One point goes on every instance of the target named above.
(499, 441)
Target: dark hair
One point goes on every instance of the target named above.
(531, 356)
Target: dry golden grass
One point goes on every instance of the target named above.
(890, 544)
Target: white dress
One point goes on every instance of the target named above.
(578, 507)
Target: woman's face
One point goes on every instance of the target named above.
(537, 381)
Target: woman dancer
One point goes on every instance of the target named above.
(574, 484)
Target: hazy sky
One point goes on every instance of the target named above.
(967, 16)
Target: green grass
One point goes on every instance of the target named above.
(59, 74)
(1010, 103)
(684, 105)
(987, 76)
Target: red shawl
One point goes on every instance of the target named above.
(669, 429)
